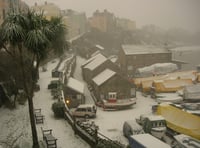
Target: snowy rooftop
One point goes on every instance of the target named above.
(100, 47)
(98, 60)
(75, 85)
(134, 125)
(103, 76)
(186, 48)
(155, 118)
(90, 59)
(149, 141)
(63, 63)
(113, 58)
(133, 49)
(95, 53)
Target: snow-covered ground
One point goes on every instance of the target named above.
(61, 129)
(111, 122)
(15, 127)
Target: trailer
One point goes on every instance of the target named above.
(146, 141)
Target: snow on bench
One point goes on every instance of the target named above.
(50, 140)
(39, 118)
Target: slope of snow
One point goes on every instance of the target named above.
(103, 76)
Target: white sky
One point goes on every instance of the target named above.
(164, 13)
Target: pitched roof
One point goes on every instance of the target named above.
(75, 85)
(103, 76)
(98, 60)
(133, 49)
(100, 47)
(91, 59)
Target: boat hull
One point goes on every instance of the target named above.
(119, 104)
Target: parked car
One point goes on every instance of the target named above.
(131, 127)
(85, 110)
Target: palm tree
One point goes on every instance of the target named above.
(28, 36)
(58, 43)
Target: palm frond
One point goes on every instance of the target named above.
(36, 41)
(13, 33)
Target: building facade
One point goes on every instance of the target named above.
(10, 5)
(126, 24)
(76, 22)
(110, 85)
(49, 10)
(103, 21)
(74, 93)
(133, 57)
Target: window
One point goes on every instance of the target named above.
(89, 109)
(79, 109)
(112, 95)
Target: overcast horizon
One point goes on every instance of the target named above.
(163, 13)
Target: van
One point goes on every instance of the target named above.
(85, 110)
(131, 127)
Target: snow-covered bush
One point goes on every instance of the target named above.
(58, 109)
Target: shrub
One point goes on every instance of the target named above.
(58, 109)
(107, 143)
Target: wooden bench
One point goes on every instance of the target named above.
(39, 118)
(50, 140)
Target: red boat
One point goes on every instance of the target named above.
(118, 104)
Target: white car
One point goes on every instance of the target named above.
(85, 110)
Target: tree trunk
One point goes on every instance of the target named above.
(29, 94)
(32, 121)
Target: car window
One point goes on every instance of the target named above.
(80, 109)
(89, 109)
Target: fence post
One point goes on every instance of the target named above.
(74, 125)
(96, 135)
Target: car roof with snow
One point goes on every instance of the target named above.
(86, 105)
